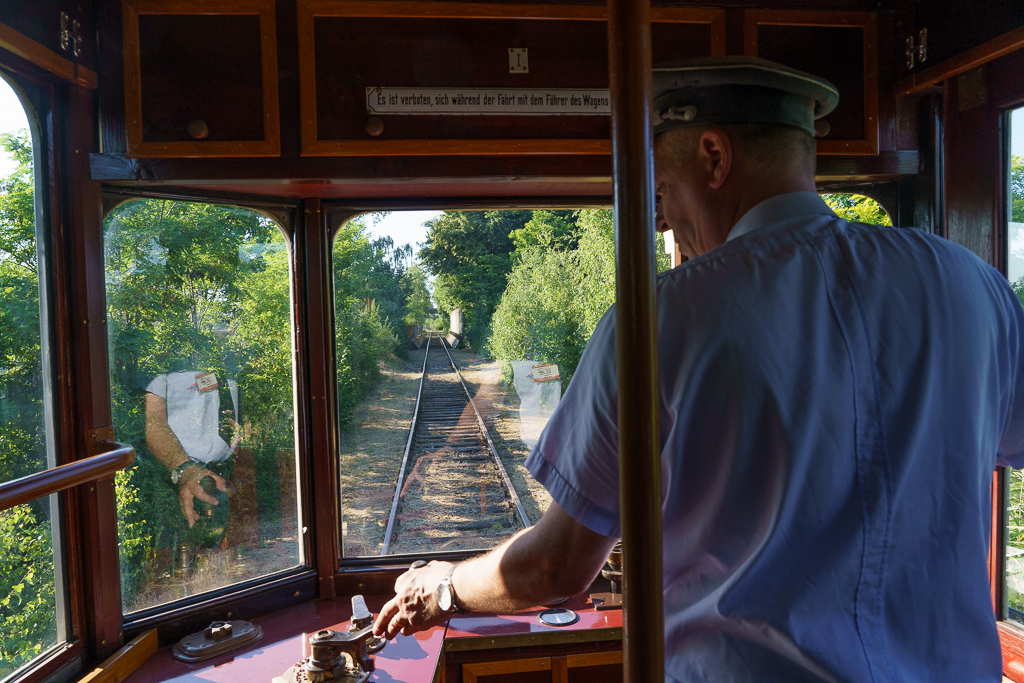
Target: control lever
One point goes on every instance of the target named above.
(340, 657)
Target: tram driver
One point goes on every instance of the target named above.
(834, 399)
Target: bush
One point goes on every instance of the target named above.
(555, 297)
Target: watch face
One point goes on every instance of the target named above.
(444, 596)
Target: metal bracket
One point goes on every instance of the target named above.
(95, 437)
(70, 34)
(917, 53)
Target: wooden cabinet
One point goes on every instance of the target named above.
(596, 667)
(200, 78)
(838, 46)
(349, 48)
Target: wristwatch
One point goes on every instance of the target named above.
(446, 594)
(179, 470)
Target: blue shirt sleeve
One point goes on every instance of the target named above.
(577, 456)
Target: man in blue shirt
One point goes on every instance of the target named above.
(834, 399)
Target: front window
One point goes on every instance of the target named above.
(200, 333)
(456, 334)
(31, 609)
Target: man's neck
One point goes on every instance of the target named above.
(746, 191)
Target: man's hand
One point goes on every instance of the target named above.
(189, 489)
(414, 607)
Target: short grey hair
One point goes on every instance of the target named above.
(769, 145)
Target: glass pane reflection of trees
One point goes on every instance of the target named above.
(199, 327)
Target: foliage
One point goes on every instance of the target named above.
(414, 284)
(556, 296)
(469, 255)
(550, 229)
(27, 593)
(857, 208)
(370, 295)
(28, 623)
(1017, 189)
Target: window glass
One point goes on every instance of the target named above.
(857, 208)
(514, 295)
(1015, 273)
(199, 325)
(30, 617)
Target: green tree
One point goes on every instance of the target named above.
(551, 229)
(1017, 189)
(556, 296)
(417, 295)
(857, 208)
(369, 310)
(28, 623)
(469, 255)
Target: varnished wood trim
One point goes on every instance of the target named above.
(965, 61)
(472, 672)
(1011, 640)
(85, 77)
(752, 19)
(594, 659)
(449, 10)
(997, 543)
(591, 635)
(271, 143)
(37, 54)
(132, 77)
(307, 80)
(125, 661)
(356, 148)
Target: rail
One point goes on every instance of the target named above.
(40, 484)
(405, 457)
(490, 444)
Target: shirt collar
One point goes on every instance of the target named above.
(779, 208)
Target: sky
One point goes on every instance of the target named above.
(12, 118)
(404, 227)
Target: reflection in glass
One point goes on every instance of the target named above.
(201, 380)
(515, 295)
(29, 613)
(1015, 273)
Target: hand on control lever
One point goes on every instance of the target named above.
(414, 607)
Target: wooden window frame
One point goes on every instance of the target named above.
(47, 79)
(298, 584)
(270, 146)
(309, 10)
(867, 21)
(1011, 634)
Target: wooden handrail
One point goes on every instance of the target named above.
(33, 486)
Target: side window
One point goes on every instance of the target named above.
(31, 592)
(200, 330)
(857, 208)
(1015, 273)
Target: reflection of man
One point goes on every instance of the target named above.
(834, 398)
(191, 427)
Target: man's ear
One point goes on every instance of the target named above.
(716, 153)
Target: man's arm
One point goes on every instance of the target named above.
(165, 447)
(529, 569)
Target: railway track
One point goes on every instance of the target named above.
(453, 492)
